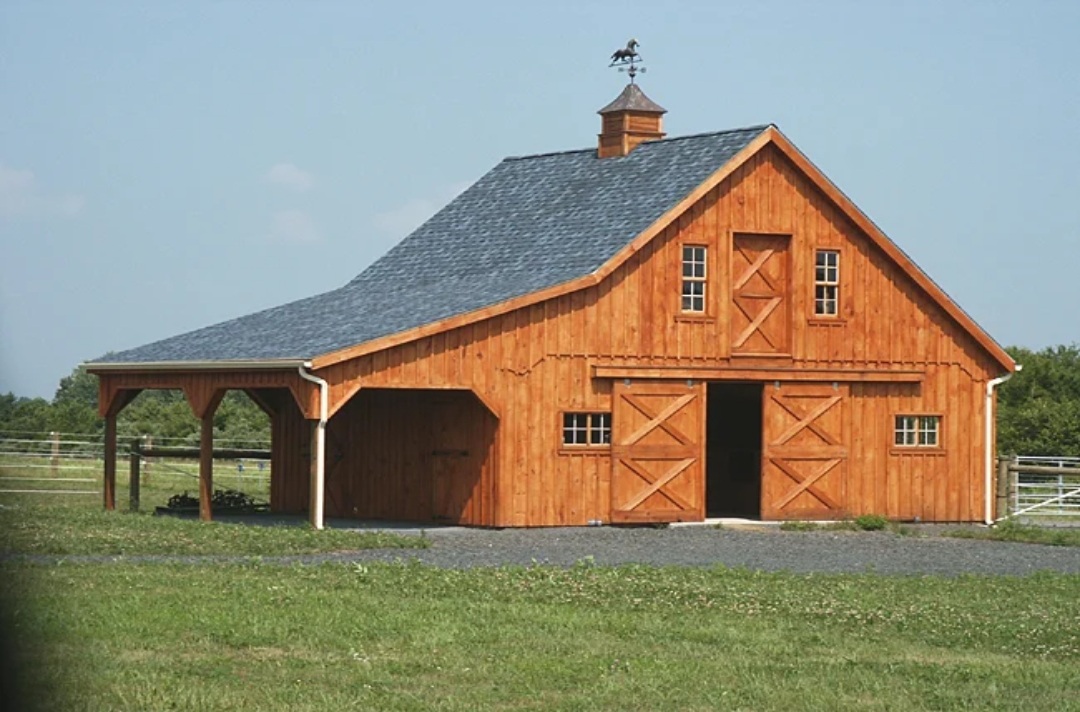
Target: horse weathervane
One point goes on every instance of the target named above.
(627, 59)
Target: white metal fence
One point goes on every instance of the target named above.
(1044, 493)
(73, 463)
(49, 463)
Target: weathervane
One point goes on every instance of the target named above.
(627, 58)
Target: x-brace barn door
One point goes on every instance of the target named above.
(804, 462)
(760, 318)
(658, 437)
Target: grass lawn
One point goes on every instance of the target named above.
(171, 636)
(409, 637)
(76, 524)
(1010, 530)
(38, 530)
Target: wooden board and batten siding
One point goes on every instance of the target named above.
(891, 348)
(462, 421)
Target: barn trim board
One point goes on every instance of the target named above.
(463, 369)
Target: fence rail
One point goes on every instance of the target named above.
(51, 463)
(1039, 487)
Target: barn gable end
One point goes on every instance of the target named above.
(898, 349)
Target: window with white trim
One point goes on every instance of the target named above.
(917, 431)
(586, 429)
(826, 282)
(693, 279)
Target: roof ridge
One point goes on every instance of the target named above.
(668, 139)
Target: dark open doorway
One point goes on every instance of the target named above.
(733, 450)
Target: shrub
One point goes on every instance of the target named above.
(871, 522)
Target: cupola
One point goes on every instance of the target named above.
(631, 119)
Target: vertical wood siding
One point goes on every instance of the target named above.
(534, 364)
(413, 455)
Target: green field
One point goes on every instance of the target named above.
(76, 524)
(407, 637)
(248, 635)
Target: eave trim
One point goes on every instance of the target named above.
(222, 365)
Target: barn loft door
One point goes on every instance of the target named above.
(804, 463)
(658, 435)
(760, 316)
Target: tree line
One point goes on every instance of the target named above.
(1038, 409)
(162, 414)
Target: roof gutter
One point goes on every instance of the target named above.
(318, 480)
(988, 476)
(221, 365)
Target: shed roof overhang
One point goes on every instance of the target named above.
(202, 380)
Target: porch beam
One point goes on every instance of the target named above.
(748, 373)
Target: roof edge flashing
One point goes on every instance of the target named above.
(222, 365)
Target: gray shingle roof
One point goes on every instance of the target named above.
(528, 224)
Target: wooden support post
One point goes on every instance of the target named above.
(133, 479)
(1002, 506)
(54, 461)
(110, 403)
(110, 462)
(206, 466)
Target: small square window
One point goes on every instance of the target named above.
(917, 431)
(586, 429)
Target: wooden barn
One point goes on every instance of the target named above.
(651, 330)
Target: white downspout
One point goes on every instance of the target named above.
(989, 438)
(317, 491)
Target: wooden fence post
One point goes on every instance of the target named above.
(1014, 483)
(147, 443)
(54, 461)
(133, 480)
(1002, 508)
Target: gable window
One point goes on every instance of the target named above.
(586, 429)
(826, 282)
(917, 431)
(693, 279)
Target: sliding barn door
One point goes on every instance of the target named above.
(760, 314)
(804, 462)
(658, 438)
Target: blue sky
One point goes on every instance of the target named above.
(165, 166)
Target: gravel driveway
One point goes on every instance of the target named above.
(764, 549)
(767, 550)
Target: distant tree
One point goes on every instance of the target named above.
(78, 387)
(25, 415)
(239, 420)
(74, 407)
(162, 414)
(1039, 408)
